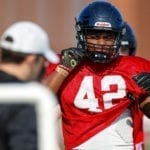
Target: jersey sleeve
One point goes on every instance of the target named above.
(50, 68)
(132, 66)
(143, 67)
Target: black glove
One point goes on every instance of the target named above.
(71, 57)
(143, 80)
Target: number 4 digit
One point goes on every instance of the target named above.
(85, 98)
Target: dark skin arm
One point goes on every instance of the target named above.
(143, 81)
(55, 79)
(53, 82)
(145, 106)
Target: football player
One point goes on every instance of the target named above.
(128, 42)
(101, 93)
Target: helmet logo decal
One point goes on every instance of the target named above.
(102, 24)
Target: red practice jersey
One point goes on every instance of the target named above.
(94, 95)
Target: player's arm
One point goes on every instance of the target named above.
(143, 80)
(145, 106)
(70, 58)
(54, 80)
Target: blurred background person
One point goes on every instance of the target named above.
(24, 50)
(128, 42)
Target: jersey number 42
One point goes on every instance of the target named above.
(91, 102)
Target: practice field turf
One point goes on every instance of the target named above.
(147, 141)
(147, 146)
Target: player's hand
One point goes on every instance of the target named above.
(143, 81)
(71, 57)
